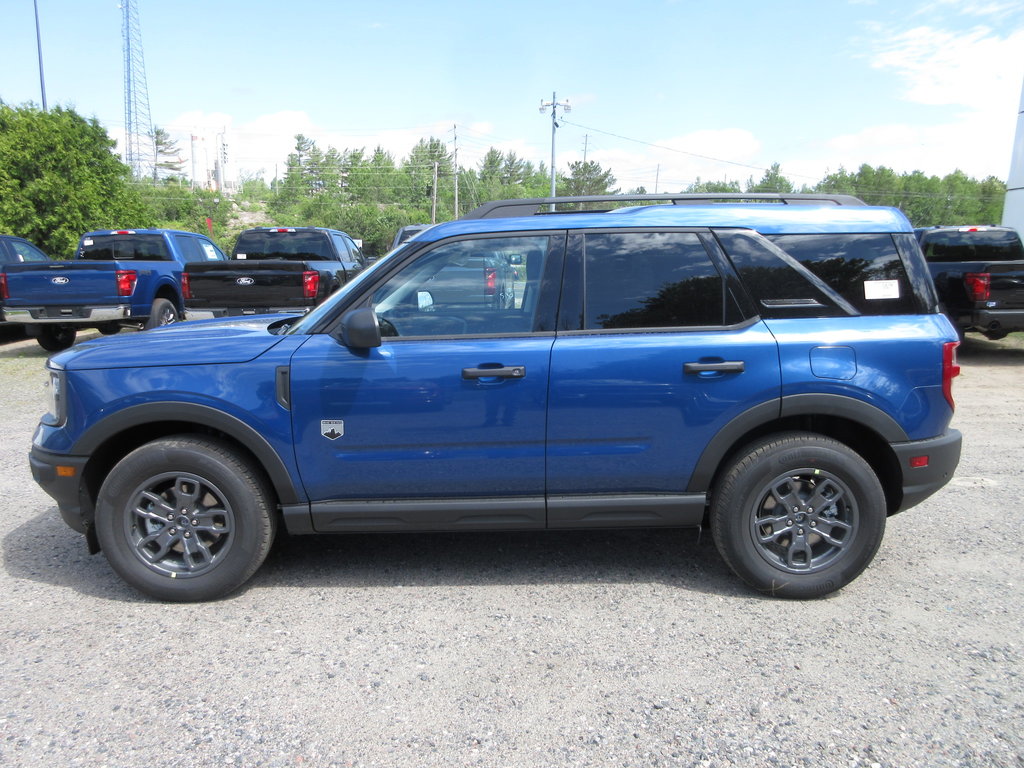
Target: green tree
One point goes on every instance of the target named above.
(587, 178)
(704, 187)
(772, 181)
(59, 178)
(168, 157)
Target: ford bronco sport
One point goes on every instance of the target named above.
(778, 370)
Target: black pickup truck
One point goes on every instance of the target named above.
(272, 269)
(979, 275)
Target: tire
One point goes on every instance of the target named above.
(163, 312)
(185, 519)
(808, 550)
(55, 338)
(109, 329)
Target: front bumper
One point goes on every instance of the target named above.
(920, 482)
(60, 476)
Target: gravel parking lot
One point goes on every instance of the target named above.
(593, 649)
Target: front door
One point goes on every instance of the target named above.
(445, 421)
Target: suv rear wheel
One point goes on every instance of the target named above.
(798, 515)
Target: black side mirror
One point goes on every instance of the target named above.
(359, 329)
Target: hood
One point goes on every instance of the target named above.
(201, 342)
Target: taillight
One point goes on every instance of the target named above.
(490, 281)
(126, 281)
(3, 286)
(310, 284)
(950, 370)
(979, 285)
(186, 286)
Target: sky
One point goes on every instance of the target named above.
(661, 92)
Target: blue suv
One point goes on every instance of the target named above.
(779, 371)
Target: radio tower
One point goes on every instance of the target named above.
(140, 150)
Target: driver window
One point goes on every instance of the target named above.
(465, 288)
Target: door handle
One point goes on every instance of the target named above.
(506, 372)
(724, 366)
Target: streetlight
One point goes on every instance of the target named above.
(554, 104)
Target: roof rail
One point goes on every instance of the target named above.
(499, 209)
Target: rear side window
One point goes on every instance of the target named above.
(778, 283)
(124, 248)
(22, 252)
(290, 246)
(972, 244)
(197, 249)
(650, 280)
(865, 269)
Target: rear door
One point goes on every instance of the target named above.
(654, 361)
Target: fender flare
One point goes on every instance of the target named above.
(838, 406)
(206, 416)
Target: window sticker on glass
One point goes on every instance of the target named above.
(239, 255)
(87, 241)
(881, 289)
(211, 253)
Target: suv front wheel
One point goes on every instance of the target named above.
(798, 515)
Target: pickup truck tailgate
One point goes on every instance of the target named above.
(249, 285)
(62, 283)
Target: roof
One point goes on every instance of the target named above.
(770, 218)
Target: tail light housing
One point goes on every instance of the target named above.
(490, 281)
(126, 279)
(186, 286)
(950, 370)
(3, 287)
(978, 285)
(310, 284)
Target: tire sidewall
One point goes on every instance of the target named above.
(744, 487)
(252, 523)
(156, 313)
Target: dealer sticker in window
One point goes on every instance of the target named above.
(881, 289)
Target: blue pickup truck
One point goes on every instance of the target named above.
(118, 278)
(780, 371)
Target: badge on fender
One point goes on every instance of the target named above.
(332, 429)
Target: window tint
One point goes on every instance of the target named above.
(972, 245)
(650, 280)
(124, 248)
(293, 246)
(344, 248)
(864, 269)
(469, 287)
(777, 282)
(23, 251)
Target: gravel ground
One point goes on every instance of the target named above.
(593, 649)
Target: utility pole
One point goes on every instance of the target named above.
(455, 164)
(554, 104)
(433, 197)
(39, 47)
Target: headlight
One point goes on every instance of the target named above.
(56, 405)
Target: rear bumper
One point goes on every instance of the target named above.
(68, 315)
(210, 314)
(998, 320)
(920, 482)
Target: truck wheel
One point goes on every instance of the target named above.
(185, 519)
(798, 515)
(109, 329)
(56, 338)
(163, 312)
